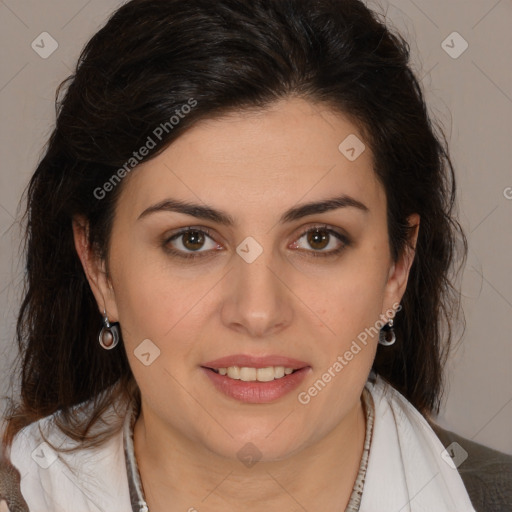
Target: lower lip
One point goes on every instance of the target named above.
(257, 392)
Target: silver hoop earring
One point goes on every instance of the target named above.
(109, 334)
(387, 334)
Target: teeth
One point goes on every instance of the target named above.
(234, 372)
(248, 374)
(265, 374)
(280, 371)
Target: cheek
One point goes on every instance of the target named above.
(158, 301)
(347, 309)
(353, 296)
(159, 315)
(347, 315)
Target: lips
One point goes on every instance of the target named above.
(256, 392)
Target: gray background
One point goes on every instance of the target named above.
(471, 95)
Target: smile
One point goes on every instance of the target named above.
(248, 374)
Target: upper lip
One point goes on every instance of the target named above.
(255, 362)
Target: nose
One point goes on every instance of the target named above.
(257, 301)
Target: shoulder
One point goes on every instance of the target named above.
(486, 473)
(38, 445)
(29, 456)
(481, 475)
(58, 474)
(23, 452)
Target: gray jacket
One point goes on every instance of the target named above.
(486, 473)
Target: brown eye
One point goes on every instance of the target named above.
(193, 240)
(318, 238)
(191, 243)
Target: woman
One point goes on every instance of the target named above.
(238, 246)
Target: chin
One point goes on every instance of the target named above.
(250, 449)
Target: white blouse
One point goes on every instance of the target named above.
(403, 468)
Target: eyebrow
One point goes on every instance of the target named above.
(224, 218)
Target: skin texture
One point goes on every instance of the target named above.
(287, 302)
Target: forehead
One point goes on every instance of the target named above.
(295, 151)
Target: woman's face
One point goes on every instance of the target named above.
(264, 285)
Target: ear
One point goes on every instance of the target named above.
(399, 271)
(95, 269)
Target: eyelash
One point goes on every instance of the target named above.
(204, 254)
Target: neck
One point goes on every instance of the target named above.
(179, 471)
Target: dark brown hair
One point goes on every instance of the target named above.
(147, 63)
